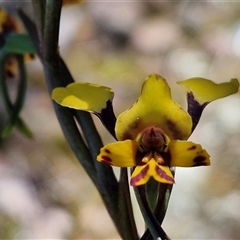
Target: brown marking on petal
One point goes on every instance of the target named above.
(132, 127)
(192, 147)
(137, 178)
(106, 159)
(126, 135)
(195, 109)
(200, 164)
(108, 118)
(135, 124)
(162, 174)
(107, 151)
(172, 126)
(199, 159)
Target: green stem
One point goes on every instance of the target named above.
(125, 208)
(39, 7)
(164, 194)
(54, 77)
(57, 74)
(153, 225)
(51, 63)
(13, 108)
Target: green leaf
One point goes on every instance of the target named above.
(18, 43)
(24, 129)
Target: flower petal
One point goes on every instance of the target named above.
(163, 174)
(141, 174)
(83, 96)
(154, 107)
(205, 91)
(120, 154)
(202, 91)
(187, 154)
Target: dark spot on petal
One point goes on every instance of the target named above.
(172, 126)
(107, 151)
(131, 130)
(135, 124)
(199, 159)
(138, 157)
(192, 148)
(126, 135)
(108, 118)
(106, 159)
(200, 164)
(194, 109)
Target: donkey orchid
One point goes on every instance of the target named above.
(152, 133)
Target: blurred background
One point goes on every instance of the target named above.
(44, 192)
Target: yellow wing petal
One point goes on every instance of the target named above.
(187, 154)
(83, 96)
(120, 154)
(205, 91)
(154, 107)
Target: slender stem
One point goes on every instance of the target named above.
(39, 11)
(57, 74)
(164, 194)
(125, 208)
(13, 108)
(51, 63)
(150, 220)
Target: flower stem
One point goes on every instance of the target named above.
(125, 207)
(153, 225)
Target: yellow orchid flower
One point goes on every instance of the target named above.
(152, 133)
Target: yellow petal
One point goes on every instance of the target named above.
(141, 174)
(205, 91)
(83, 96)
(154, 107)
(120, 154)
(187, 154)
